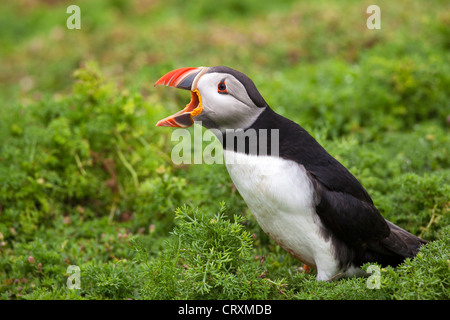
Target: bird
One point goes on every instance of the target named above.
(300, 195)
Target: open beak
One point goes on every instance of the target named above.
(184, 78)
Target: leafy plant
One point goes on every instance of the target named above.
(208, 257)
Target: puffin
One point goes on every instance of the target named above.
(303, 199)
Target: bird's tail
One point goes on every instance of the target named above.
(394, 249)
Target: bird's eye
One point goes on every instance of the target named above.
(222, 87)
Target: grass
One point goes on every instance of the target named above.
(86, 179)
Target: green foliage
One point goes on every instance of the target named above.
(86, 179)
(425, 277)
(109, 281)
(209, 257)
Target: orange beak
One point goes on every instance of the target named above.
(184, 78)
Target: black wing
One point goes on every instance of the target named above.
(343, 205)
(346, 209)
(354, 221)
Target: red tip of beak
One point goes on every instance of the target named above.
(174, 78)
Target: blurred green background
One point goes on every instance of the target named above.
(86, 178)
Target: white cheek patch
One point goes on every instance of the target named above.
(207, 84)
(234, 110)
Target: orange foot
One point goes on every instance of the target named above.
(306, 269)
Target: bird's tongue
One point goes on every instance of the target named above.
(183, 118)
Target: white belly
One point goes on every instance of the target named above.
(279, 194)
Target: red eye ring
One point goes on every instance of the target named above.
(222, 87)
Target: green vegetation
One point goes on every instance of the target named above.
(86, 179)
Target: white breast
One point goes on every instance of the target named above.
(280, 195)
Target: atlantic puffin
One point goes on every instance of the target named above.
(301, 196)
